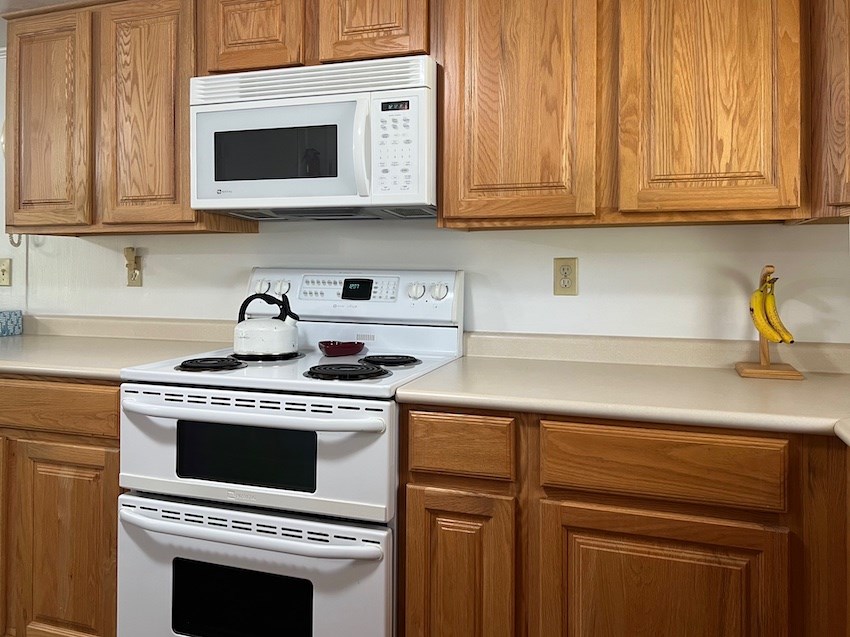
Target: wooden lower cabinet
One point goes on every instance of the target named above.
(608, 570)
(64, 538)
(557, 527)
(460, 566)
(58, 508)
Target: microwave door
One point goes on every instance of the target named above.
(309, 152)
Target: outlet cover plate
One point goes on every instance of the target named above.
(5, 272)
(565, 276)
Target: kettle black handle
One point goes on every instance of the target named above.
(282, 303)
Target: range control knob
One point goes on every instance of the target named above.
(263, 286)
(415, 290)
(439, 291)
(281, 287)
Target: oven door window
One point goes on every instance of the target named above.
(211, 600)
(256, 456)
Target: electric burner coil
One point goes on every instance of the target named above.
(345, 371)
(210, 364)
(390, 360)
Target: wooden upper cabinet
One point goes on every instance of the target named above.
(831, 108)
(48, 108)
(98, 122)
(358, 29)
(709, 112)
(251, 34)
(518, 109)
(146, 58)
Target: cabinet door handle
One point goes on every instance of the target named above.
(373, 425)
(234, 538)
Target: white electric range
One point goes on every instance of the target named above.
(265, 482)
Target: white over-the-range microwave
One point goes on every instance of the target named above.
(346, 140)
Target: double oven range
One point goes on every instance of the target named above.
(262, 497)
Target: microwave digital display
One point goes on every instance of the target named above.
(399, 105)
(299, 152)
(357, 289)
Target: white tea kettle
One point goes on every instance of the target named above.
(266, 339)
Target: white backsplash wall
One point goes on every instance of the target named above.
(687, 282)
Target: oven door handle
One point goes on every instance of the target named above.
(371, 425)
(196, 532)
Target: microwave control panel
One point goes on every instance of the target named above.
(396, 147)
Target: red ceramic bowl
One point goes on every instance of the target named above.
(340, 348)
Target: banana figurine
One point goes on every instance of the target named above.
(758, 312)
(772, 314)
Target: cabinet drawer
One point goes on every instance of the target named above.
(463, 444)
(57, 406)
(740, 471)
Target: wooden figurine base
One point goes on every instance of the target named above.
(778, 371)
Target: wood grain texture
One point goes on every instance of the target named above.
(830, 73)
(463, 444)
(518, 109)
(615, 571)
(205, 222)
(459, 564)
(65, 539)
(241, 35)
(60, 407)
(48, 102)
(360, 29)
(709, 109)
(5, 596)
(733, 470)
(146, 59)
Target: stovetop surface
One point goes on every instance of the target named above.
(392, 312)
(287, 376)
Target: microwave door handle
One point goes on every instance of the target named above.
(361, 147)
(223, 536)
(370, 425)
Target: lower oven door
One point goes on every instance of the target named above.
(187, 569)
(313, 454)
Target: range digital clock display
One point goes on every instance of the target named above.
(357, 289)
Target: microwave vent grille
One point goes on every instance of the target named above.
(328, 79)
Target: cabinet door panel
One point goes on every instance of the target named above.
(48, 104)
(146, 62)
(519, 109)
(460, 569)
(357, 29)
(251, 34)
(65, 539)
(709, 105)
(612, 571)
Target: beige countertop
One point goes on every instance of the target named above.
(717, 397)
(89, 357)
(495, 375)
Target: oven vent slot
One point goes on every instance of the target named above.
(264, 403)
(265, 528)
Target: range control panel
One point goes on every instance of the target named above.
(414, 297)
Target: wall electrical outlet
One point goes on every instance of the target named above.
(566, 276)
(5, 272)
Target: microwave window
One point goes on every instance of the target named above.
(301, 152)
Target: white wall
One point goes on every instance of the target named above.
(688, 282)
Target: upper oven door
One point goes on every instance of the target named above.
(298, 152)
(330, 456)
